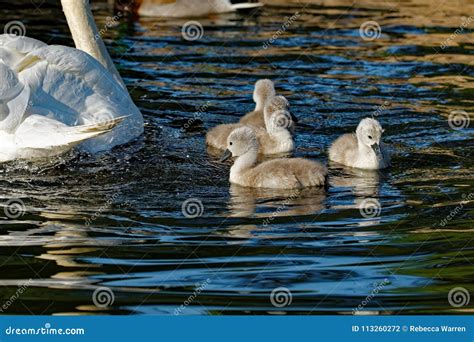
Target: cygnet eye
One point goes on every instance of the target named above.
(370, 137)
(230, 143)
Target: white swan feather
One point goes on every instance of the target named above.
(53, 90)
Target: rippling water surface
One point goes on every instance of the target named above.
(115, 220)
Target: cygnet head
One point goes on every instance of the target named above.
(264, 89)
(239, 142)
(369, 133)
(275, 103)
(276, 114)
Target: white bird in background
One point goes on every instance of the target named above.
(53, 98)
(183, 8)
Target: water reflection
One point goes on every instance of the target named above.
(362, 183)
(268, 205)
(273, 203)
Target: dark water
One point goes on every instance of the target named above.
(115, 220)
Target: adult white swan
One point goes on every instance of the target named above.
(53, 98)
(183, 8)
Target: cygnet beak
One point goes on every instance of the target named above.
(226, 155)
(378, 152)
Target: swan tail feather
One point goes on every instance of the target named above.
(39, 132)
(246, 6)
(100, 126)
(81, 133)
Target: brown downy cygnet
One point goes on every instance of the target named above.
(364, 149)
(264, 90)
(278, 123)
(275, 138)
(282, 173)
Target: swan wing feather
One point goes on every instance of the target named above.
(40, 132)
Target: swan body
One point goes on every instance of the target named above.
(282, 173)
(363, 149)
(53, 98)
(273, 139)
(189, 8)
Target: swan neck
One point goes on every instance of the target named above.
(245, 161)
(367, 157)
(259, 104)
(86, 35)
(364, 150)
